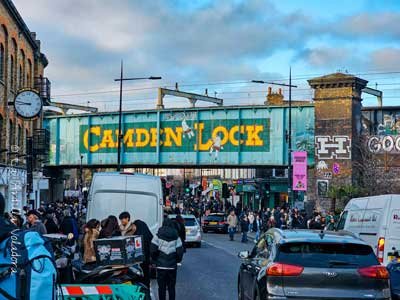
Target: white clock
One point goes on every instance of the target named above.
(28, 104)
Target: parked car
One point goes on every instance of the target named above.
(307, 264)
(394, 271)
(192, 226)
(376, 220)
(215, 222)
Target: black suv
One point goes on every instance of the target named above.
(307, 264)
(215, 222)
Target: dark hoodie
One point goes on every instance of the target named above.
(166, 247)
(5, 225)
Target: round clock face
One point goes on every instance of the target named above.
(28, 104)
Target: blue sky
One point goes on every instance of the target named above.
(218, 45)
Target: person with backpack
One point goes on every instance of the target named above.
(179, 223)
(27, 263)
(34, 223)
(167, 251)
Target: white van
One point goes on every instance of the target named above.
(138, 194)
(376, 220)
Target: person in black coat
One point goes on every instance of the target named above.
(179, 223)
(244, 226)
(6, 227)
(167, 252)
(141, 228)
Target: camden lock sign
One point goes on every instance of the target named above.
(253, 135)
(226, 136)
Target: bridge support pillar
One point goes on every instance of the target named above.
(337, 99)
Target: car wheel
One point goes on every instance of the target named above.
(198, 245)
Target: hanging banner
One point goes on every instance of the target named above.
(299, 170)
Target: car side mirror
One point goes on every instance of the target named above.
(244, 254)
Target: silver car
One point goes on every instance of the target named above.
(192, 227)
(307, 264)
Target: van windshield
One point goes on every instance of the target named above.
(342, 220)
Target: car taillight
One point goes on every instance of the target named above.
(221, 222)
(278, 269)
(378, 272)
(381, 249)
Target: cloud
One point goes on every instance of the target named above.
(326, 57)
(373, 25)
(386, 58)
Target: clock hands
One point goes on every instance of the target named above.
(23, 103)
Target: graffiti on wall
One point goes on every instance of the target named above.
(387, 138)
(333, 147)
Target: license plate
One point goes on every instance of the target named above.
(213, 223)
(187, 230)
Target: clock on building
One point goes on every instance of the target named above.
(28, 104)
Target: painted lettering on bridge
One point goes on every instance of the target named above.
(252, 135)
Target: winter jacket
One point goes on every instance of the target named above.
(143, 230)
(51, 226)
(89, 254)
(39, 227)
(244, 225)
(166, 248)
(5, 228)
(232, 221)
(68, 226)
(127, 230)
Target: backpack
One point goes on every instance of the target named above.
(27, 267)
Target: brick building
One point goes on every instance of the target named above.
(21, 66)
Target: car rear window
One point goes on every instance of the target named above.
(326, 255)
(190, 222)
(215, 218)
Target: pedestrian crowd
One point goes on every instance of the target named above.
(283, 218)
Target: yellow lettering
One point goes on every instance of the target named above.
(253, 138)
(93, 130)
(224, 131)
(128, 138)
(234, 141)
(206, 146)
(171, 135)
(140, 141)
(107, 141)
(153, 133)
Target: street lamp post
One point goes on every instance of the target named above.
(120, 134)
(289, 134)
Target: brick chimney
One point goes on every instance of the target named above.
(274, 98)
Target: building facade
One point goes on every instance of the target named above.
(21, 66)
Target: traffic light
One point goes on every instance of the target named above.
(267, 188)
(187, 187)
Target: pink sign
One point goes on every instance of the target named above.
(299, 160)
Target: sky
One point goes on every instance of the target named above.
(215, 45)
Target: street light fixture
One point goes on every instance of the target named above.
(120, 134)
(289, 135)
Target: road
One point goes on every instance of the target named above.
(210, 272)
